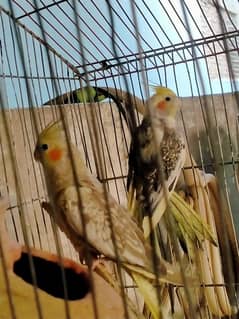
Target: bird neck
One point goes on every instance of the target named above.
(170, 122)
(163, 121)
(59, 177)
(67, 173)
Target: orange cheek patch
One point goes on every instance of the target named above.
(161, 105)
(55, 154)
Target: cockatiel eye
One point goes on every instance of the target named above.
(43, 147)
(168, 98)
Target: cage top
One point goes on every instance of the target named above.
(94, 33)
(104, 41)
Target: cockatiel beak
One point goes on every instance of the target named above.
(36, 154)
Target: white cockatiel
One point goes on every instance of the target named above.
(77, 196)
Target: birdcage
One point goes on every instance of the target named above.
(94, 65)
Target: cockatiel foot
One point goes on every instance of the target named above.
(86, 257)
(98, 262)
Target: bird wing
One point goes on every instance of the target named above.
(142, 177)
(146, 194)
(87, 204)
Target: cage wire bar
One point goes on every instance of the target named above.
(47, 68)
